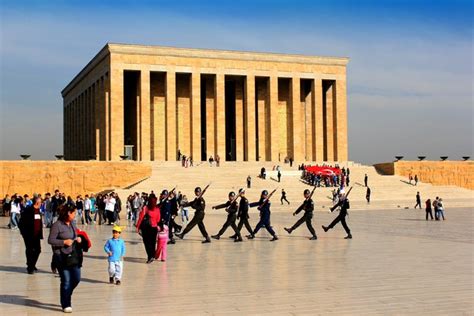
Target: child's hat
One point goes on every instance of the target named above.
(117, 229)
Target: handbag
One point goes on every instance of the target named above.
(71, 259)
(146, 222)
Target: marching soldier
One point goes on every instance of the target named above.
(264, 207)
(199, 205)
(308, 207)
(231, 208)
(344, 205)
(243, 215)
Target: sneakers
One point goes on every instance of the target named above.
(118, 282)
(274, 238)
(325, 228)
(216, 237)
(314, 237)
(288, 230)
(111, 280)
(67, 310)
(348, 237)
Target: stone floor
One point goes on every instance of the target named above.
(397, 263)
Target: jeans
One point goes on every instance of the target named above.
(70, 278)
(48, 219)
(14, 220)
(116, 270)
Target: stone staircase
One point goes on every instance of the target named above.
(388, 192)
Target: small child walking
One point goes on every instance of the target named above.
(162, 237)
(115, 249)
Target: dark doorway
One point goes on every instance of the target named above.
(230, 120)
(203, 119)
(131, 86)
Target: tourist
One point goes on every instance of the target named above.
(249, 182)
(80, 208)
(198, 219)
(163, 233)
(87, 209)
(173, 226)
(110, 208)
(367, 194)
(440, 209)
(6, 205)
(435, 207)
(31, 228)
(264, 207)
(93, 206)
(283, 197)
(366, 179)
(137, 205)
(66, 253)
(218, 160)
(428, 209)
(416, 179)
(308, 207)
(147, 226)
(184, 210)
(117, 207)
(418, 200)
(211, 160)
(279, 175)
(15, 210)
(231, 209)
(48, 210)
(56, 201)
(291, 161)
(344, 206)
(115, 249)
(100, 206)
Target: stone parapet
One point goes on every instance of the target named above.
(458, 173)
(70, 177)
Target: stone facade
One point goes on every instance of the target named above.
(458, 173)
(242, 106)
(72, 178)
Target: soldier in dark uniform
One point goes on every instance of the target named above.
(243, 214)
(231, 208)
(308, 207)
(165, 207)
(344, 205)
(173, 226)
(199, 205)
(264, 207)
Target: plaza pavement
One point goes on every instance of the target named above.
(397, 264)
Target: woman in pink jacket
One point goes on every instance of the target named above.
(163, 231)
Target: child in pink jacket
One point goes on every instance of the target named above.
(162, 238)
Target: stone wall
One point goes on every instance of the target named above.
(70, 177)
(458, 173)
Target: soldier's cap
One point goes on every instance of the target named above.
(164, 192)
(264, 192)
(231, 193)
(197, 189)
(241, 190)
(306, 191)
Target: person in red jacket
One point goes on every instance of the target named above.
(147, 226)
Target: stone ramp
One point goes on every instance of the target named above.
(388, 192)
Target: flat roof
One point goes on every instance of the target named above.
(156, 50)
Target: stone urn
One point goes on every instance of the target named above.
(466, 158)
(398, 158)
(25, 156)
(443, 158)
(421, 158)
(59, 157)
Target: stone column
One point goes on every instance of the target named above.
(262, 108)
(341, 118)
(96, 120)
(144, 116)
(171, 136)
(81, 128)
(318, 135)
(220, 116)
(113, 89)
(210, 117)
(196, 116)
(329, 95)
(274, 135)
(297, 117)
(239, 120)
(249, 120)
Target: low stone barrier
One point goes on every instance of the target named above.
(458, 173)
(70, 177)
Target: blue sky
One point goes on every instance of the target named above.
(409, 79)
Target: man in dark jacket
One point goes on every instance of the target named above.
(344, 205)
(199, 205)
(231, 208)
(308, 207)
(31, 228)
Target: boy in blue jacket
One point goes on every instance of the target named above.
(115, 249)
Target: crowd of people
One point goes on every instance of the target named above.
(437, 205)
(340, 178)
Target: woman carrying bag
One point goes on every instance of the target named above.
(147, 226)
(67, 253)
